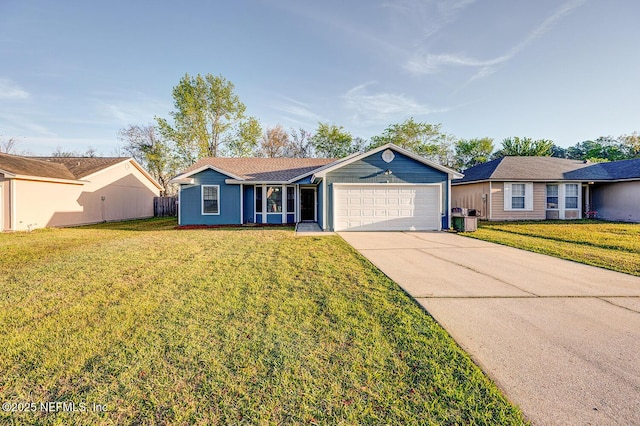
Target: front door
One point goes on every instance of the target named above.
(307, 204)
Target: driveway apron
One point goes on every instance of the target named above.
(561, 339)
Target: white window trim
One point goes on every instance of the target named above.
(283, 214)
(546, 195)
(202, 200)
(578, 198)
(528, 196)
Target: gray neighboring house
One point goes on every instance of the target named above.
(538, 188)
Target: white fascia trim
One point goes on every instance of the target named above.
(184, 181)
(255, 182)
(348, 160)
(203, 168)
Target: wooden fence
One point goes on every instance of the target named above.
(165, 206)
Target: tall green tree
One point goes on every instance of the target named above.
(152, 152)
(470, 152)
(424, 139)
(605, 148)
(631, 144)
(206, 111)
(332, 141)
(516, 146)
(244, 141)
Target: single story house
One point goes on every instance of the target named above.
(37, 192)
(387, 188)
(538, 188)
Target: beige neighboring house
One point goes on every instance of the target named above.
(38, 192)
(539, 188)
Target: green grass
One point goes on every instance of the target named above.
(231, 326)
(614, 246)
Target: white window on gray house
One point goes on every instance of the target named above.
(210, 199)
(517, 195)
(552, 197)
(571, 196)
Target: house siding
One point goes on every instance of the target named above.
(371, 169)
(470, 197)
(5, 206)
(228, 201)
(617, 201)
(249, 204)
(539, 204)
(320, 205)
(118, 193)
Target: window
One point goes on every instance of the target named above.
(258, 199)
(274, 199)
(571, 196)
(517, 195)
(210, 199)
(552, 197)
(291, 199)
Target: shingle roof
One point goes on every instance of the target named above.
(522, 168)
(263, 169)
(84, 166)
(70, 168)
(614, 170)
(33, 167)
(550, 169)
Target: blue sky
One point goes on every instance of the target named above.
(74, 72)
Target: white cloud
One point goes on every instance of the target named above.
(298, 109)
(421, 63)
(375, 107)
(10, 90)
(128, 108)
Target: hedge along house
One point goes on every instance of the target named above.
(387, 188)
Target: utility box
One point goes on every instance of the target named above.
(464, 220)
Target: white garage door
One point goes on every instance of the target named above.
(387, 207)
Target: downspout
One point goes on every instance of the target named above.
(241, 203)
(325, 219)
(179, 205)
(13, 204)
(489, 198)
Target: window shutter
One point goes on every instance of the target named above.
(528, 196)
(507, 196)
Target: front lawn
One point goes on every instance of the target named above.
(614, 246)
(139, 323)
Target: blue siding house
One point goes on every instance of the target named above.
(387, 188)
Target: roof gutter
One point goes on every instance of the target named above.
(47, 179)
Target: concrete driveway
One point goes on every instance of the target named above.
(561, 339)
